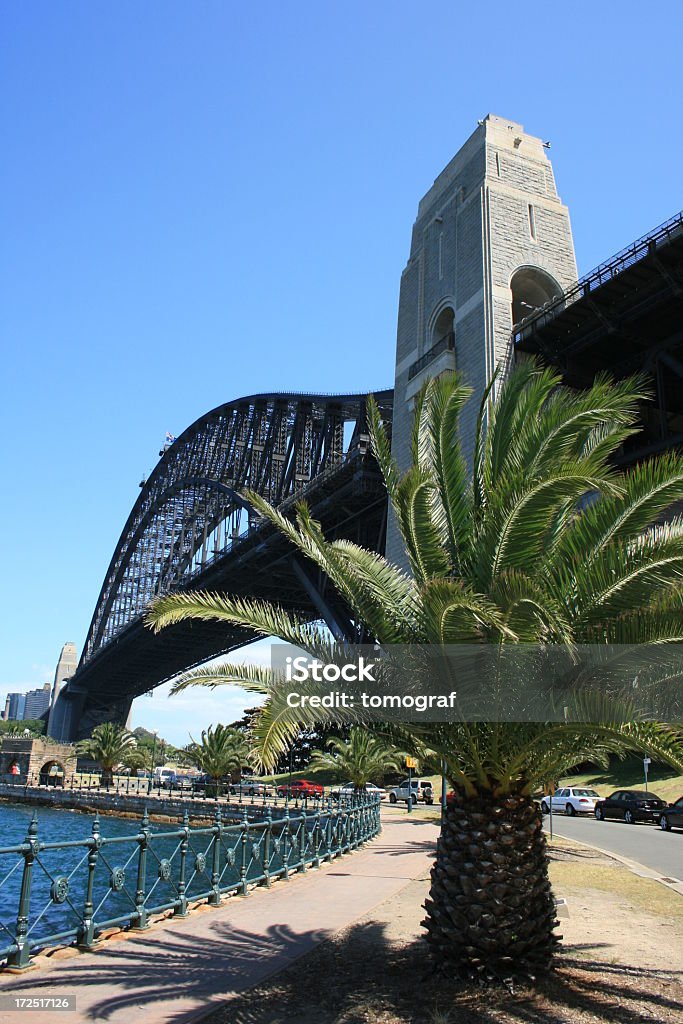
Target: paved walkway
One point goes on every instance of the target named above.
(181, 968)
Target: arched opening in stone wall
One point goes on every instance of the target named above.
(531, 289)
(52, 774)
(444, 325)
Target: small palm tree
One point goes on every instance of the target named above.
(109, 746)
(541, 541)
(221, 752)
(137, 758)
(364, 758)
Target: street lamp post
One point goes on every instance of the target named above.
(154, 759)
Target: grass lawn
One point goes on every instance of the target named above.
(628, 774)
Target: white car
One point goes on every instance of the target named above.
(571, 800)
(348, 789)
(420, 789)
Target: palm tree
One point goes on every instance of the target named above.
(221, 752)
(109, 745)
(138, 758)
(364, 758)
(544, 542)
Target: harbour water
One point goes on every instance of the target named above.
(60, 872)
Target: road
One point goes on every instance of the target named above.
(660, 851)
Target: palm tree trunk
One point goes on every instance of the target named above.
(490, 911)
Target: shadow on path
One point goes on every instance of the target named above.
(364, 976)
(133, 974)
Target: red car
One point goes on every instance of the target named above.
(300, 787)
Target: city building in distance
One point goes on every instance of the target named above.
(34, 704)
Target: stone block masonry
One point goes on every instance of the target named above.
(492, 242)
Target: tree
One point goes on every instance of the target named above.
(109, 746)
(221, 752)
(364, 758)
(137, 759)
(544, 542)
(13, 727)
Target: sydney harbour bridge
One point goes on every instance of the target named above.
(191, 529)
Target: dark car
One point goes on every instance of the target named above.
(672, 816)
(630, 805)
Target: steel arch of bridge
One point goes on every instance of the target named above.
(190, 512)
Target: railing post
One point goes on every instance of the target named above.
(181, 909)
(86, 937)
(21, 958)
(316, 839)
(215, 897)
(354, 827)
(267, 844)
(141, 910)
(243, 855)
(284, 836)
(328, 833)
(302, 842)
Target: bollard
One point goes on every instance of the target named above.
(20, 960)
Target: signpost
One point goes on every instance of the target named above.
(647, 761)
(549, 791)
(411, 762)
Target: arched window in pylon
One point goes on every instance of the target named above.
(444, 326)
(532, 289)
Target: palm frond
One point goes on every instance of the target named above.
(255, 678)
(259, 616)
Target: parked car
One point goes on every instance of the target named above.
(348, 789)
(419, 789)
(571, 800)
(164, 776)
(630, 805)
(173, 780)
(671, 816)
(249, 786)
(299, 788)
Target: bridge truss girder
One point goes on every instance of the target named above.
(191, 528)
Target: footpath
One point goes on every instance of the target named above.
(179, 970)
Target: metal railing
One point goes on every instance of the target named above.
(186, 789)
(445, 344)
(604, 272)
(70, 891)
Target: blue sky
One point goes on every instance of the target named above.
(206, 200)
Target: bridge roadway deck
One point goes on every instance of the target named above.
(179, 970)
